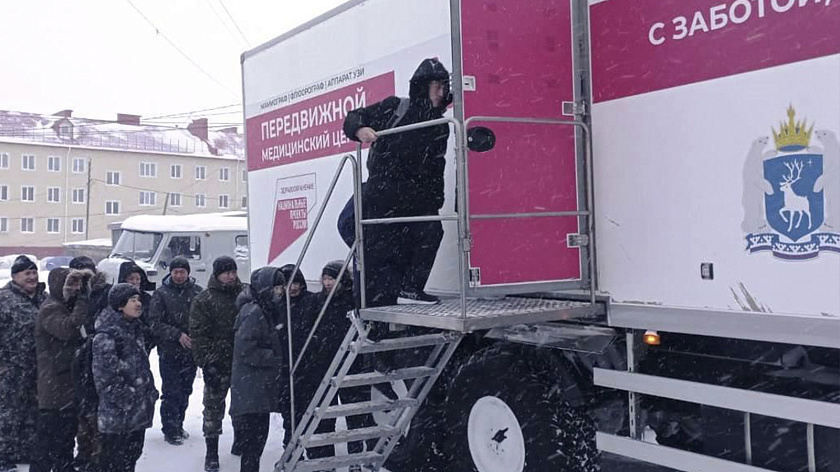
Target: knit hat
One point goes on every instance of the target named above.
(298, 278)
(223, 264)
(83, 262)
(180, 263)
(333, 268)
(120, 293)
(23, 263)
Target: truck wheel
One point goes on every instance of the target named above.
(506, 413)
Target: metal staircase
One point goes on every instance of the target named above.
(400, 411)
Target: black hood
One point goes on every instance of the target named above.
(428, 70)
(55, 282)
(299, 278)
(263, 281)
(129, 267)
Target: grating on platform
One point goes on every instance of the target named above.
(481, 313)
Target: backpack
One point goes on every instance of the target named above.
(84, 385)
(347, 217)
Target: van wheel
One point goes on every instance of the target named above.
(506, 413)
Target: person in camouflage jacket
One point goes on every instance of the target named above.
(19, 302)
(212, 317)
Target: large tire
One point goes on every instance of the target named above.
(506, 412)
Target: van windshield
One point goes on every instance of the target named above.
(136, 245)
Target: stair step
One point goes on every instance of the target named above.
(397, 344)
(373, 378)
(362, 408)
(327, 463)
(350, 435)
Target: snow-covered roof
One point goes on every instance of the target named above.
(22, 127)
(186, 223)
(103, 242)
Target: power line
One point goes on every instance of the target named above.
(194, 111)
(222, 21)
(187, 57)
(222, 3)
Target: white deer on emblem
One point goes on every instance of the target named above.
(795, 205)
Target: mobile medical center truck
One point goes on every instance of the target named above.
(698, 328)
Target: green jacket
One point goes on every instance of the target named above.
(212, 317)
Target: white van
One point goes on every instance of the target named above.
(152, 241)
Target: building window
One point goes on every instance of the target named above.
(175, 171)
(114, 178)
(200, 200)
(53, 164)
(4, 225)
(27, 193)
(78, 195)
(79, 165)
(4, 160)
(148, 198)
(175, 199)
(53, 226)
(148, 169)
(244, 202)
(53, 195)
(224, 174)
(200, 172)
(112, 207)
(4, 193)
(27, 225)
(224, 201)
(78, 226)
(27, 162)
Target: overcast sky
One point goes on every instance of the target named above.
(101, 57)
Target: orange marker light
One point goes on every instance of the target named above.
(652, 338)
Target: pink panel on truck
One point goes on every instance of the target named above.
(520, 54)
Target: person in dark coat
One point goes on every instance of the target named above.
(212, 317)
(87, 437)
(405, 179)
(169, 317)
(257, 363)
(124, 381)
(58, 333)
(19, 302)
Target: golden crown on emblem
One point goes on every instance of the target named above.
(792, 135)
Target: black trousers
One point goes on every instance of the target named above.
(325, 426)
(56, 434)
(399, 257)
(251, 432)
(177, 372)
(120, 452)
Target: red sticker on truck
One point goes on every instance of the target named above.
(294, 198)
(647, 45)
(311, 128)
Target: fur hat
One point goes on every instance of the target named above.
(179, 263)
(223, 264)
(119, 295)
(23, 263)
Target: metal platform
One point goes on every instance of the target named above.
(482, 313)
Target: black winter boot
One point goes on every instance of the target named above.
(211, 460)
(249, 463)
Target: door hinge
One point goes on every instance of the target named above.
(475, 276)
(578, 108)
(577, 240)
(469, 83)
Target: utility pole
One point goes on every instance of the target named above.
(166, 203)
(87, 201)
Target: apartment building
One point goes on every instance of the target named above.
(65, 179)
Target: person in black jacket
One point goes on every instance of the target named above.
(405, 179)
(169, 317)
(257, 363)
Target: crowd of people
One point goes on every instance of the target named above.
(77, 391)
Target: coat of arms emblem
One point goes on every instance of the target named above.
(791, 193)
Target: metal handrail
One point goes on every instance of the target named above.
(588, 213)
(460, 217)
(306, 244)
